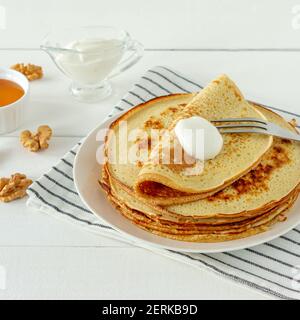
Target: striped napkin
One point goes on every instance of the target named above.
(272, 268)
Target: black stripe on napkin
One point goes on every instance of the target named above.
(67, 213)
(234, 277)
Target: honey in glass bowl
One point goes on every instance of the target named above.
(10, 92)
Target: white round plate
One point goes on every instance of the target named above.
(86, 173)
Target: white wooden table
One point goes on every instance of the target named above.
(255, 42)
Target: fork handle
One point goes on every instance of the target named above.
(286, 135)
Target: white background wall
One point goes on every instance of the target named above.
(162, 23)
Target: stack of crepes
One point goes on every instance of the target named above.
(243, 191)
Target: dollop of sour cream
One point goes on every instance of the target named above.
(199, 138)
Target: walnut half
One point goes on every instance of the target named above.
(36, 141)
(30, 71)
(14, 187)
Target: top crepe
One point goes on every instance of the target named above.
(166, 183)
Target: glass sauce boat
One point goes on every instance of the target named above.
(90, 56)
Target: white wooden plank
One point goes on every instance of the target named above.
(160, 24)
(268, 77)
(23, 227)
(20, 226)
(108, 273)
(15, 158)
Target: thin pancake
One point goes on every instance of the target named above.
(156, 224)
(220, 99)
(264, 187)
(216, 236)
(122, 196)
(239, 155)
(273, 179)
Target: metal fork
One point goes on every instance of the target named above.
(255, 126)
